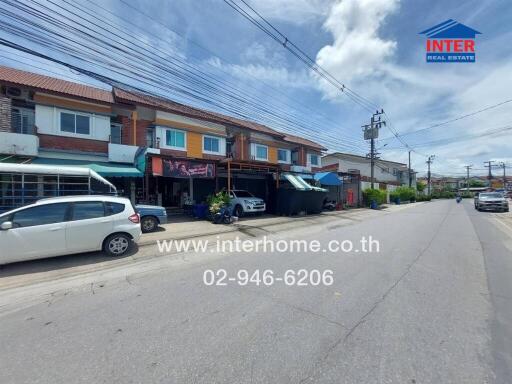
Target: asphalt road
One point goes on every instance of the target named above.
(433, 306)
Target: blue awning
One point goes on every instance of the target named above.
(102, 168)
(328, 178)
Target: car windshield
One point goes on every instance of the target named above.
(490, 195)
(242, 194)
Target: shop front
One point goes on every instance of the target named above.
(177, 182)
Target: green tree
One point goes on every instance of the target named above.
(420, 186)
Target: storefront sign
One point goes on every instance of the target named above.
(184, 168)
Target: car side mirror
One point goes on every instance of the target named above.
(6, 225)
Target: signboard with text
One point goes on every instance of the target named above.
(185, 169)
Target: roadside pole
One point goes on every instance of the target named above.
(468, 167)
(489, 176)
(504, 175)
(410, 173)
(429, 161)
(371, 132)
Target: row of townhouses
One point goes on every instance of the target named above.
(151, 149)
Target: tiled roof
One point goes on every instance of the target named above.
(49, 84)
(303, 141)
(42, 83)
(171, 106)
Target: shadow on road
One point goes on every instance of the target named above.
(60, 262)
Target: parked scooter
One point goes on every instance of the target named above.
(459, 199)
(223, 216)
(329, 205)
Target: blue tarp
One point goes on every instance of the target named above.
(328, 178)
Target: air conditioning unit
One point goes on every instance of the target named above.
(13, 92)
(16, 93)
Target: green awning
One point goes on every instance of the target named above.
(102, 168)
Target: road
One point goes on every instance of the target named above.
(433, 306)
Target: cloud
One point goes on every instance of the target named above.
(357, 51)
(260, 62)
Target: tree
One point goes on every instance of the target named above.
(475, 183)
(420, 186)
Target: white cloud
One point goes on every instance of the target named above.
(357, 51)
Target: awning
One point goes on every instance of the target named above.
(103, 169)
(299, 183)
(40, 169)
(328, 178)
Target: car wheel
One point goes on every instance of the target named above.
(239, 211)
(117, 244)
(148, 224)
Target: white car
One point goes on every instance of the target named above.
(65, 225)
(245, 202)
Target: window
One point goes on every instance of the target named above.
(175, 139)
(113, 208)
(259, 152)
(88, 210)
(211, 144)
(283, 156)
(22, 120)
(314, 160)
(40, 215)
(74, 123)
(115, 133)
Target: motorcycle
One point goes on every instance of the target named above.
(223, 216)
(329, 205)
(459, 199)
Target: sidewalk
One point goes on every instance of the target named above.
(252, 226)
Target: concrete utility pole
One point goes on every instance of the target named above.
(489, 176)
(430, 160)
(504, 175)
(410, 171)
(468, 167)
(371, 132)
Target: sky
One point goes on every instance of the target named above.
(371, 46)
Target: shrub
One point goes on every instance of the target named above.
(217, 201)
(393, 196)
(406, 193)
(377, 195)
(420, 186)
(423, 198)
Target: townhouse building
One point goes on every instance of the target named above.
(387, 174)
(152, 149)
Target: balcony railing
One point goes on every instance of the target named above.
(23, 121)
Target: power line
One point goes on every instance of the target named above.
(454, 119)
(110, 63)
(451, 140)
(283, 40)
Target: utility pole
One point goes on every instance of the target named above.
(430, 160)
(410, 171)
(371, 132)
(504, 175)
(468, 167)
(489, 176)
